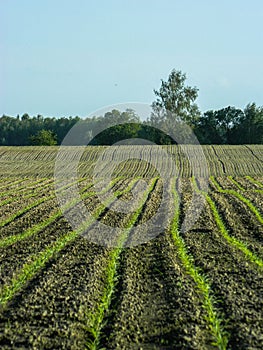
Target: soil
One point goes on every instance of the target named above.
(155, 304)
(236, 282)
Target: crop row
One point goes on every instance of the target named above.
(177, 276)
(215, 160)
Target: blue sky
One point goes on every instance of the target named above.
(61, 58)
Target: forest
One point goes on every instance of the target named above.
(174, 102)
(225, 126)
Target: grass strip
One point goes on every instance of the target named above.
(95, 320)
(220, 224)
(39, 260)
(3, 194)
(12, 183)
(39, 227)
(236, 184)
(242, 188)
(220, 336)
(32, 192)
(59, 213)
(251, 207)
(32, 205)
(255, 182)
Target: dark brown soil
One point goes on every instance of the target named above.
(236, 283)
(50, 311)
(239, 221)
(155, 304)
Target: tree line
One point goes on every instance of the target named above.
(175, 104)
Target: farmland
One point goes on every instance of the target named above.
(197, 284)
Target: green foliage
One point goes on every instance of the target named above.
(250, 128)
(17, 131)
(175, 100)
(96, 319)
(216, 127)
(243, 199)
(221, 226)
(43, 138)
(231, 126)
(116, 126)
(209, 303)
(175, 105)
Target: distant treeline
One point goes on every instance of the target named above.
(225, 126)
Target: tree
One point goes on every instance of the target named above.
(116, 126)
(218, 126)
(207, 130)
(175, 101)
(25, 116)
(251, 125)
(227, 119)
(43, 138)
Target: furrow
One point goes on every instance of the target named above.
(219, 334)
(156, 305)
(38, 261)
(235, 282)
(11, 183)
(239, 222)
(17, 191)
(36, 203)
(29, 193)
(258, 183)
(248, 203)
(238, 184)
(95, 320)
(238, 244)
(4, 242)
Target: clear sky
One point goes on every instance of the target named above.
(62, 58)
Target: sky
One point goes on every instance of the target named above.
(62, 58)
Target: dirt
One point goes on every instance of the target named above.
(155, 304)
(236, 282)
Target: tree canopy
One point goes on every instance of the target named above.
(43, 138)
(175, 100)
(174, 106)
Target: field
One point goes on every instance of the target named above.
(194, 284)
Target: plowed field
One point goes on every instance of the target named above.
(191, 286)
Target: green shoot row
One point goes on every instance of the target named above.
(237, 184)
(254, 181)
(95, 320)
(38, 261)
(250, 206)
(33, 205)
(220, 336)
(221, 226)
(21, 189)
(9, 182)
(59, 213)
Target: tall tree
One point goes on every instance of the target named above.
(175, 109)
(175, 100)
